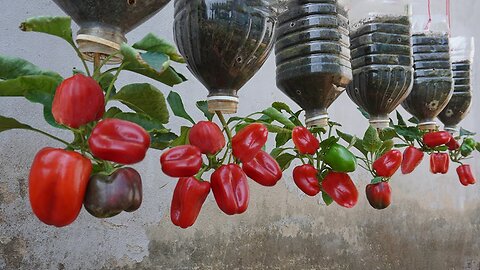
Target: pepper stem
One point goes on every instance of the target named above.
(224, 124)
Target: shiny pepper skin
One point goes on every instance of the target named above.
(439, 163)
(304, 140)
(388, 163)
(207, 136)
(412, 157)
(181, 161)
(119, 141)
(109, 195)
(341, 189)
(188, 198)
(249, 141)
(340, 159)
(452, 145)
(78, 100)
(379, 195)
(305, 177)
(465, 175)
(437, 138)
(57, 184)
(230, 189)
(263, 169)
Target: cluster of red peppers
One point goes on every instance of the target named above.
(61, 180)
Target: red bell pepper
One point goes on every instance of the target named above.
(78, 100)
(230, 189)
(119, 141)
(379, 195)
(249, 141)
(263, 169)
(305, 177)
(304, 140)
(465, 175)
(453, 145)
(412, 157)
(187, 201)
(439, 163)
(207, 136)
(181, 161)
(388, 163)
(57, 183)
(437, 138)
(109, 195)
(340, 188)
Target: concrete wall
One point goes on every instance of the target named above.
(433, 222)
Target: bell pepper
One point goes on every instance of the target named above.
(263, 169)
(109, 195)
(388, 163)
(249, 141)
(305, 177)
(437, 138)
(78, 100)
(230, 189)
(412, 157)
(340, 188)
(465, 175)
(181, 161)
(119, 141)
(453, 145)
(379, 195)
(304, 140)
(340, 159)
(188, 198)
(57, 183)
(439, 163)
(467, 147)
(207, 136)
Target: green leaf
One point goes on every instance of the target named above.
(149, 124)
(401, 145)
(327, 143)
(326, 198)
(13, 67)
(371, 140)
(105, 82)
(464, 132)
(387, 134)
(477, 146)
(160, 141)
(281, 106)
(413, 120)
(409, 133)
(176, 104)
(110, 113)
(203, 106)
(282, 138)
(386, 146)
(277, 151)
(400, 120)
(276, 129)
(364, 113)
(7, 123)
(55, 26)
(357, 143)
(146, 99)
(183, 138)
(376, 180)
(151, 64)
(279, 117)
(153, 43)
(317, 130)
(284, 160)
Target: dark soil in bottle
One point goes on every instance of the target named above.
(379, 37)
(430, 48)
(326, 21)
(312, 34)
(432, 64)
(309, 48)
(433, 73)
(457, 109)
(431, 56)
(312, 9)
(381, 59)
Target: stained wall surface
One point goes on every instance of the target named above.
(433, 222)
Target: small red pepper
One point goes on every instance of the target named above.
(188, 198)
(304, 140)
(207, 136)
(78, 100)
(412, 157)
(437, 138)
(379, 195)
(305, 177)
(439, 163)
(230, 189)
(249, 141)
(340, 187)
(388, 163)
(181, 161)
(119, 141)
(465, 175)
(57, 184)
(453, 145)
(263, 169)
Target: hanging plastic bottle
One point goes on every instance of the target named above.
(462, 52)
(313, 55)
(224, 42)
(104, 23)
(433, 83)
(381, 57)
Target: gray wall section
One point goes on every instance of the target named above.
(433, 222)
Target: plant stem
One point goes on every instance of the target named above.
(110, 87)
(51, 136)
(87, 70)
(103, 63)
(225, 125)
